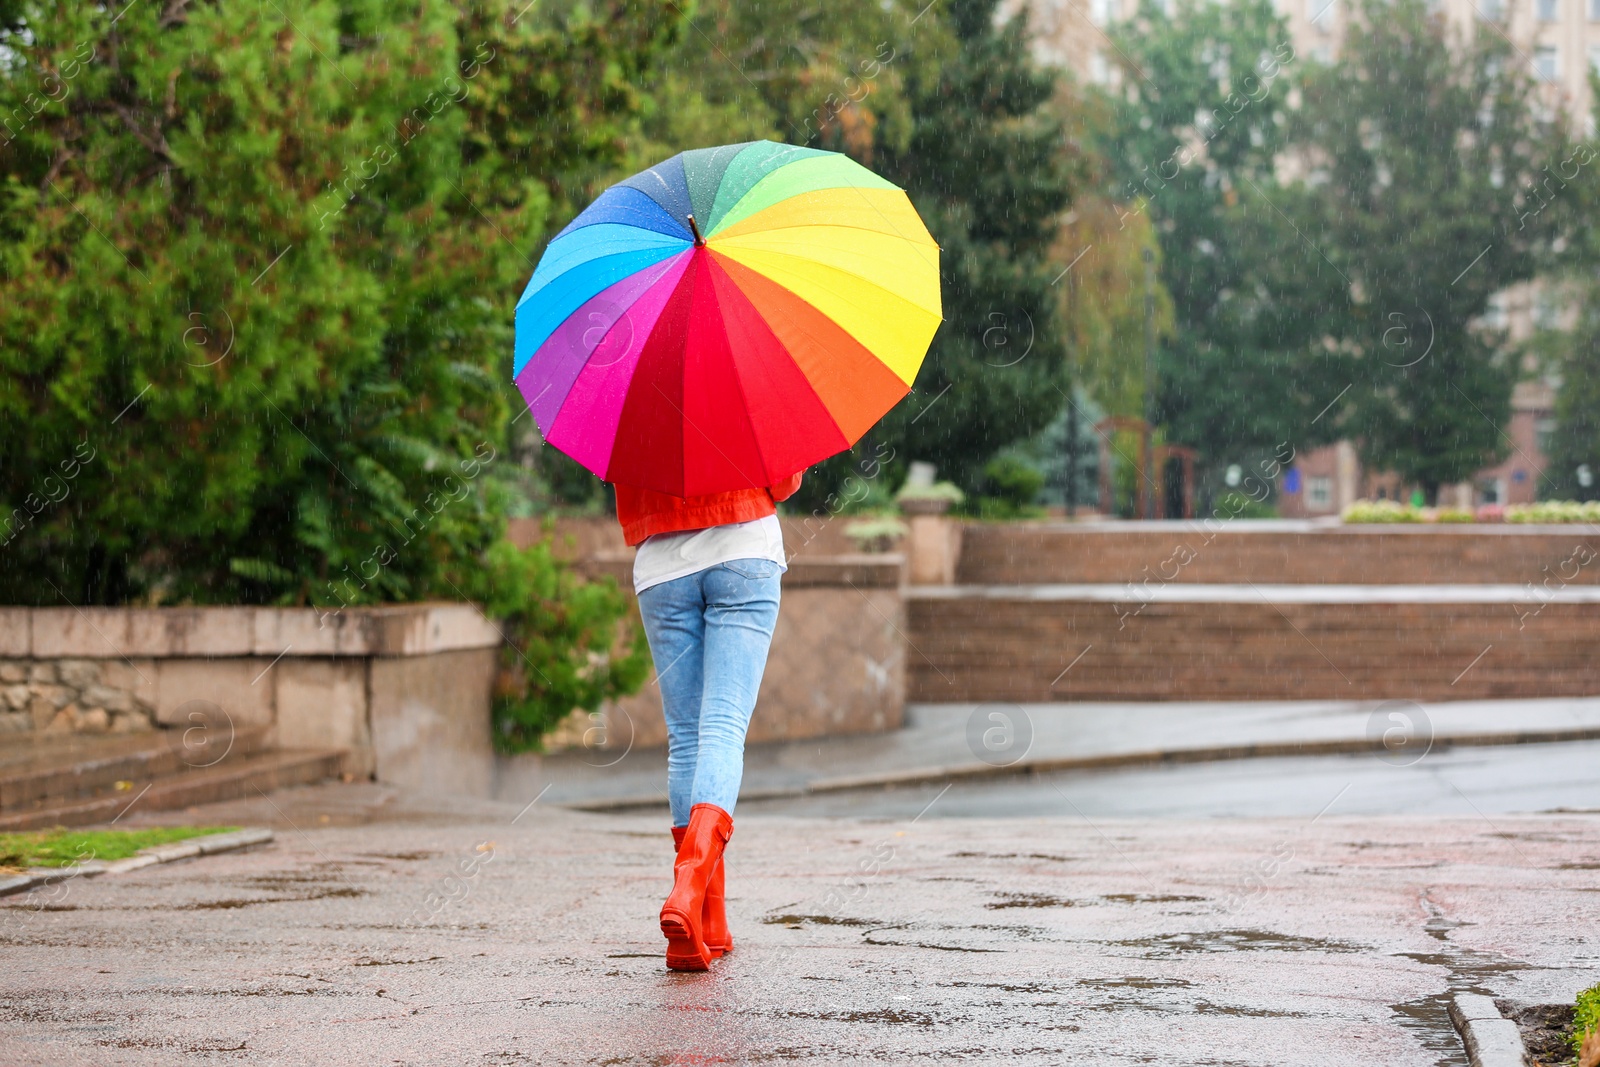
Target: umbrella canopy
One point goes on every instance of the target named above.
(727, 318)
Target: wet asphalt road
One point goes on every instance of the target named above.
(1463, 781)
(468, 938)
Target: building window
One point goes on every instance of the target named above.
(1594, 10)
(1489, 9)
(1545, 63)
(1594, 54)
(1548, 10)
(1100, 11)
(1320, 14)
(1319, 493)
(1544, 432)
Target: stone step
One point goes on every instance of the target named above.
(1032, 644)
(1277, 552)
(34, 769)
(231, 779)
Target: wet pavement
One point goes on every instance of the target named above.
(388, 928)
(1465, 781)
(941, 741)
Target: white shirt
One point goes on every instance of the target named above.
(669, 556)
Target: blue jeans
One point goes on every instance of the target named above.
(709, 633)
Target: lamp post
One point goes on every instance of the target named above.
(1149, 381)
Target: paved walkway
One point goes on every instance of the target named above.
(481, 935)
(1156, 591)
(943, 741)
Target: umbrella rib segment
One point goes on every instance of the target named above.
(883, 336)
(738, 381)
(782, 347)
(856, 387)
(880, 263)
(702, 372)
(688, 422)
(860, 190)
(590, 379)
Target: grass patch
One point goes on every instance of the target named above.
(1585, 1018)
(62, 847)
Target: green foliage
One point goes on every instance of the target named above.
(1200, 116)
(945, 491)
(1554, 511)
(988, 166)
(875, 534)
(62, 847)
(1575, 442)
(1011, 488)
(1425, 151)
(1381, 511)
(256, 279)
(1238, 505)
(570, 643)
(1101, 301)
(825, 75)
(1585, 1016)
(1575, 355)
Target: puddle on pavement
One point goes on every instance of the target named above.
(1467, 970)
(914, 931)
(245, 902)
(1031, 988)
(1046, 856)
(1029, 900)
(1045, 900)
(895, 1016)
(1136, 982)
(408, 857)
(370, 962)
(1168, 945)
(817, 920)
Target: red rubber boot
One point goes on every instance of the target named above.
(715, 917)
(683, 914)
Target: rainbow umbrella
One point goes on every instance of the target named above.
(727, 318)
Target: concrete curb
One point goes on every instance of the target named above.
(1262, 750)
(1491, 1040)
(149, 857)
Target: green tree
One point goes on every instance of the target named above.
(1200, 114)
(256, 276)
(1572, 355)
(825, 75)
(1425, 154)
(990, 169)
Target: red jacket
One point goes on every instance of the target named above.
(645, 512)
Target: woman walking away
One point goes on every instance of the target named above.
(707, 576)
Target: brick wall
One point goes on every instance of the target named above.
(994, 648)
(1275, 553)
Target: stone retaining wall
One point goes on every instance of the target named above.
(403, 689)
(72, 696)
(837, 664)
